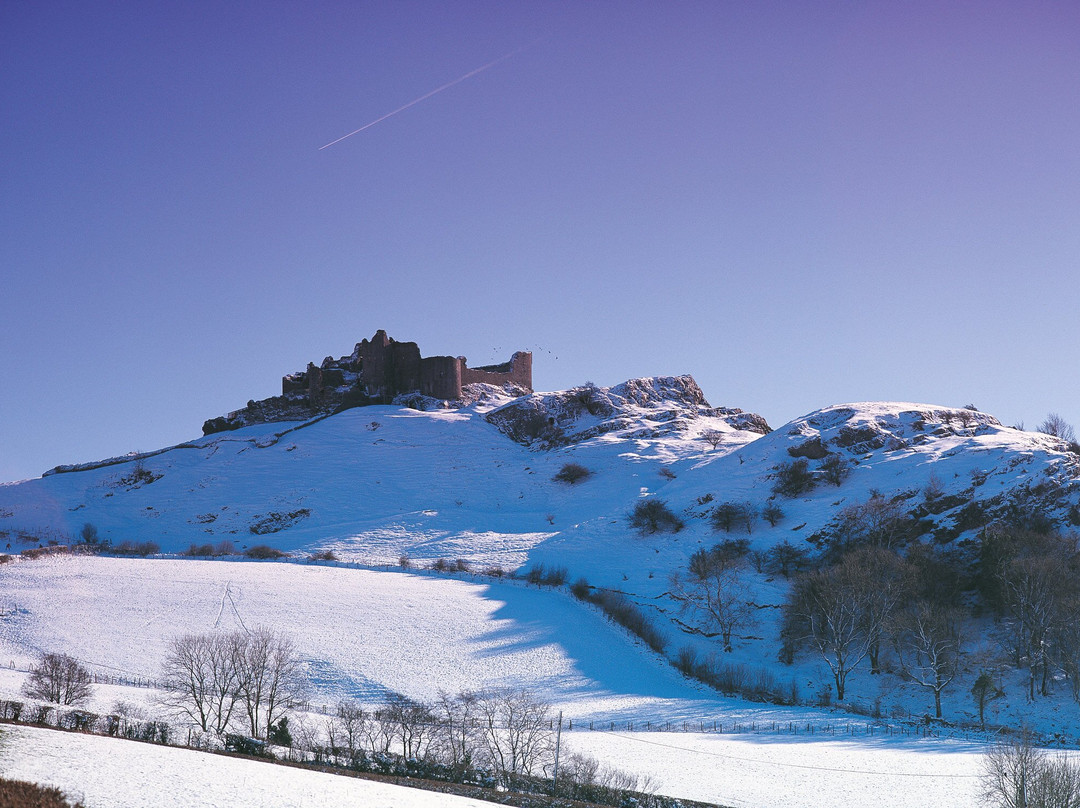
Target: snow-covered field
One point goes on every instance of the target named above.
(766, 771)
(363, 632)
(109, 773)
(727, 770)
(373, 484)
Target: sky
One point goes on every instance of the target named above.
(798, 203)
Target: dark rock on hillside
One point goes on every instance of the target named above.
(643, 408)
(378, 371)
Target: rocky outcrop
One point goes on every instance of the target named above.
(644, 408)
(378, 371)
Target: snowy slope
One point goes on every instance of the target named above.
(364, 632)
(110, 773)
(476, 483)
(375, 482)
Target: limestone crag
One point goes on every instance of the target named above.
(376, 372)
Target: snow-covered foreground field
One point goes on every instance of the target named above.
(361, 632)
(364, 632)
(748, 771)
(110, 773)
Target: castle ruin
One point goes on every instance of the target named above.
(376, 372)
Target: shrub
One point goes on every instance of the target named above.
(60, 679)
(687, 661)
(89, 534)
(623, 611)
(276, 521)
(835, 469)
(324, 555)
(263, 552)
(246, 746)
(494, 572)
(772, 514)
(580, 589)
(20, 794)
(654, 516)
(667, 473)
(572, 473)
(131, 548)
(794, 478)
(729, 515)
(210, 550)
(542, 576)
(440, 565)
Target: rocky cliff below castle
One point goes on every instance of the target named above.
(378, 371)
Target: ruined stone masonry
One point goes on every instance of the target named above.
(377, 371)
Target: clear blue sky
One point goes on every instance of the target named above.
(799, 203)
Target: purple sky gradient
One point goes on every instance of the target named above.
(801, 204)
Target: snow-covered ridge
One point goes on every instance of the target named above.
(638, 408)
(379, 481)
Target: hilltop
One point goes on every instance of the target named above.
(501, 479)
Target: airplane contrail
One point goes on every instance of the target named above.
(426, 96)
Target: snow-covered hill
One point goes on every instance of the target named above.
(476, 482)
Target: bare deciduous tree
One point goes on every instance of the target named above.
(270, 678)
(719, 596)
(713, 437)
(928, 642)
(515, 731)
(200, 679)
(1019, 775)
(456, 717)
(830, 610)
(1057, 426)
(408, 723)
(1036, 589)
(59, 678)
(879, 579)
(345, 730)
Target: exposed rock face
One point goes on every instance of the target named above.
(376, 372)
(638, 408)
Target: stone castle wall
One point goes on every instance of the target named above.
(376, 372)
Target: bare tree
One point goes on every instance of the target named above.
(59, 678)
(928, 642)
(408, 723)
(719, 596)
(788, 557)
(200, 679)
(879, 581)
(713, 437)
(1036, 589)
(346, 729)
(1057, 426)
(515, 731)
(456, 716)
(827, 610)
(270, 678)
(772, 513)
(1019, 775)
